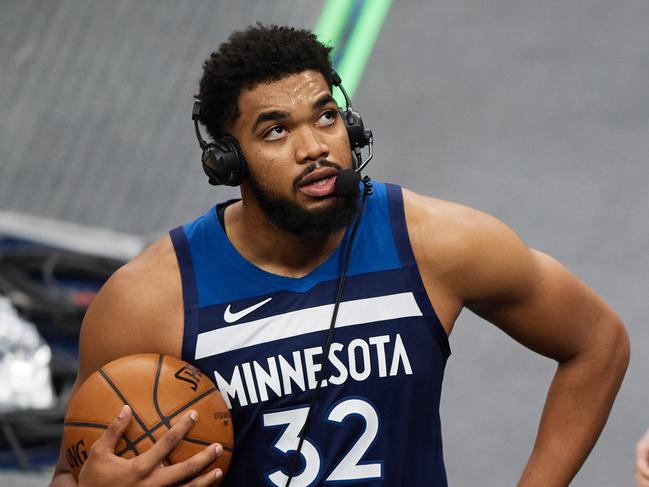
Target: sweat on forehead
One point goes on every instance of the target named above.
(295, 96)
(293, 89)
(303, 90)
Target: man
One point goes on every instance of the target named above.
(248, 291)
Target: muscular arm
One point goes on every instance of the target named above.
(138, 310)
(536, 301)
(559, 317)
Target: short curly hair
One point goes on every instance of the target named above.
(251, 56)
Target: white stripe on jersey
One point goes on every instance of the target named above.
(303, 321)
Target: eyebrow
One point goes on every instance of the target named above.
(276, 115)
(322, 101)
(266, 116)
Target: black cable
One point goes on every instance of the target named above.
(367, 190)
(16, 447)
(42, 282)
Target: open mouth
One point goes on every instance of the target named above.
(319, 183)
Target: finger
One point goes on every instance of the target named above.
(193, 466)
(161, 448)
(213, 478)
(109, 438)
(641, 480)
(642, 470)
(642, 459)
(643, 474)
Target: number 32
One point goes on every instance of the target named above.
(348, 469)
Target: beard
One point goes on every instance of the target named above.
(290, 217)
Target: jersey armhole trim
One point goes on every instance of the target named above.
(190, 291)
(407, 257)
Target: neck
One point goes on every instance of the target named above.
(272, 249)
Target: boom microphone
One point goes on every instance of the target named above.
(347, 183)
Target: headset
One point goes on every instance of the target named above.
(224, 163)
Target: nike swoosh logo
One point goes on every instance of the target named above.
(230, 317)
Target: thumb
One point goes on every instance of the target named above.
(108, 440)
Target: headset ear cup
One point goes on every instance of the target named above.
(210, 165)
(223, 162)
(235, 162)
(358, 136)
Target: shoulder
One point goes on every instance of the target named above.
(481, 264)
(139, 309)
(472, 254)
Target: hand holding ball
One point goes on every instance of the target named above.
(160, 391)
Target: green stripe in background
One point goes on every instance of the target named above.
(332, 21)
(359, 46)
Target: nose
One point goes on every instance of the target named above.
(309, 148)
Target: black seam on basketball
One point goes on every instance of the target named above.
(121, 396)
(85, 425)
(143, 436)
(129, 446)
(164, 419)
(189, 439)
(190, 403)
(157, 426)
(176, 413)
(81, 424)
(205, 443)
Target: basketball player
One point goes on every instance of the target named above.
(248, 292)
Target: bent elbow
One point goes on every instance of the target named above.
(622, 346)
(614, 347)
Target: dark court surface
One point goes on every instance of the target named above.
(535, 112)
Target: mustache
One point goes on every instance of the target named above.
(316, 165)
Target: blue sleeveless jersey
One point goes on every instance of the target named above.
(261, 338)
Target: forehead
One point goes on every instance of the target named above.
(286, 94)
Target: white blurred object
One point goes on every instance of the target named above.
(69, 236)
(25, 379)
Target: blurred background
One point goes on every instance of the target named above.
(535, 112)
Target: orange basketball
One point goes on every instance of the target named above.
(159, 389)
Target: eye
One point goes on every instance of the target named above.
(327, 118)
(274, 133)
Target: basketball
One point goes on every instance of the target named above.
(159, 389)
